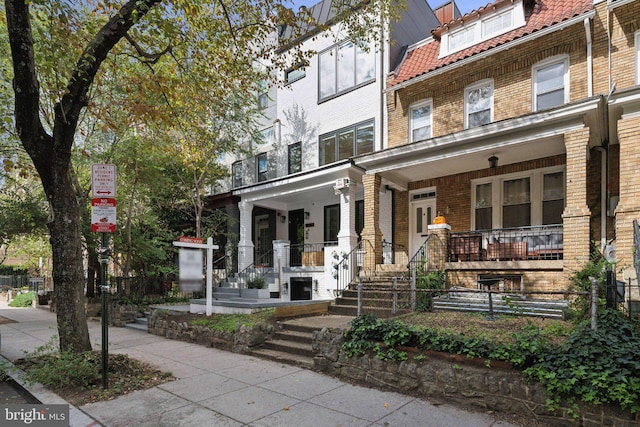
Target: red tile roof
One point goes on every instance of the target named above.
(544, 13)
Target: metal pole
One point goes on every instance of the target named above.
(359, 293)
(208, 310)
(105, 311)
(594, 303)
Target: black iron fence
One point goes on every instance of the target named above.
(308, 254)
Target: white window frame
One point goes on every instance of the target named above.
(414, 107)
(475, 33)
(536, 189)
(637, 38)
(561, 59)
(472, 87)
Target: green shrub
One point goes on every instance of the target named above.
(257, 283)
(23, 300)
(429, 281)
(228, 322)
(579, 309)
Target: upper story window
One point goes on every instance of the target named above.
(262, 164)
(420, 121)
(294, 73)
(263, 94)
(638, 57)
(344, 67)
(236, 172)
(550, 83)
(295, 157)
(478, 104)
(347, 142)
(487, 26)
(267, 136)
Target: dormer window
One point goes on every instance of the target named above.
(485, 27)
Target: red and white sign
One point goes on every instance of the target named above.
(103, 180)
(186, 239)
(103, 215)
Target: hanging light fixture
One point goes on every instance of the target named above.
(493, 162)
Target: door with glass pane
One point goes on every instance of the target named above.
(421, 216)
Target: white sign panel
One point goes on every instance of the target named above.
(191, 265)
(103, 180)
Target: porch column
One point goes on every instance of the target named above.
(628, 207)
(576, 214)
(347, 236)
(371, 230)
(245, 245)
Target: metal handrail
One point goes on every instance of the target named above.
(296, 250)
(420, 257)
(347, 266)
(389, 250)
(256, 271)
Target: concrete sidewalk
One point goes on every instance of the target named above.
(218, 388)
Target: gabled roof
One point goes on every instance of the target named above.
(543, 13)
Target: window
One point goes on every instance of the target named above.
(483, 209)
(294, 73)
(487, 26)
(518, 200)
(552, 198)
(516, 203)
(236, 171)
(478, 104)
(343, 68)
(638, 57)
(295, 157)
(550, 84)
(420, 121)
(266, 136)
(331, 223)
(262, 164)
(263, 95)
(346, 143)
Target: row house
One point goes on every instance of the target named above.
(518, 123)
(500, 145)
(298, 199)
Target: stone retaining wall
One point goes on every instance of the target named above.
(453, 378)
(242, 340)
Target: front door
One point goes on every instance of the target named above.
(296, 237)
(263, 240)
(421, 214)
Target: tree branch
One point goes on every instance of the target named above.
(152, 58)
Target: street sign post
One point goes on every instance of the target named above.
(103, 215)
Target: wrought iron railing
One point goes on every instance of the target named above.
(308, 254)
(543, 242)
(254, 275)
(392, 253)
(347, 266)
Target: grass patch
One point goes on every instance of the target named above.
(23, 300)
(228, 322)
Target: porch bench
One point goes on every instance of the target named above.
(544, 246)
(507, 251)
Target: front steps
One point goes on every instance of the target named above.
(292, 344)
(377, 294)
(139, 323)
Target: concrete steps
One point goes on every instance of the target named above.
(291, 345)
(140, 324)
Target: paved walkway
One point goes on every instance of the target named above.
(218, 388)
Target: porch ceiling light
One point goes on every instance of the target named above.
(493, 162)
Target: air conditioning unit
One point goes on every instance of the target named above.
(341, 183)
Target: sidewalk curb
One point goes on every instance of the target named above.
(77, 417)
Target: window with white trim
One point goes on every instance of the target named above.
(478, 104)
(487, 26)
(262, 164)
(236, 173)
(344, 67)
(518, 200)
(420, 121)
(347, 142)
(295, 157)
(550, 83)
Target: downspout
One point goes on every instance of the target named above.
(587, 29)
(604, 159)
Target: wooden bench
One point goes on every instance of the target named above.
(465, 247)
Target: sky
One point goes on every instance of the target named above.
(465, 6)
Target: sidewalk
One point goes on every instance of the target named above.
(218, 388)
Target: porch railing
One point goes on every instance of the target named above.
(543, 242)
(347, 266)
(308, 254)
(391, 252)
(254, 275)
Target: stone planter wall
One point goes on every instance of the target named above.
(120, 315)
(242, 340)
(453, 379)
